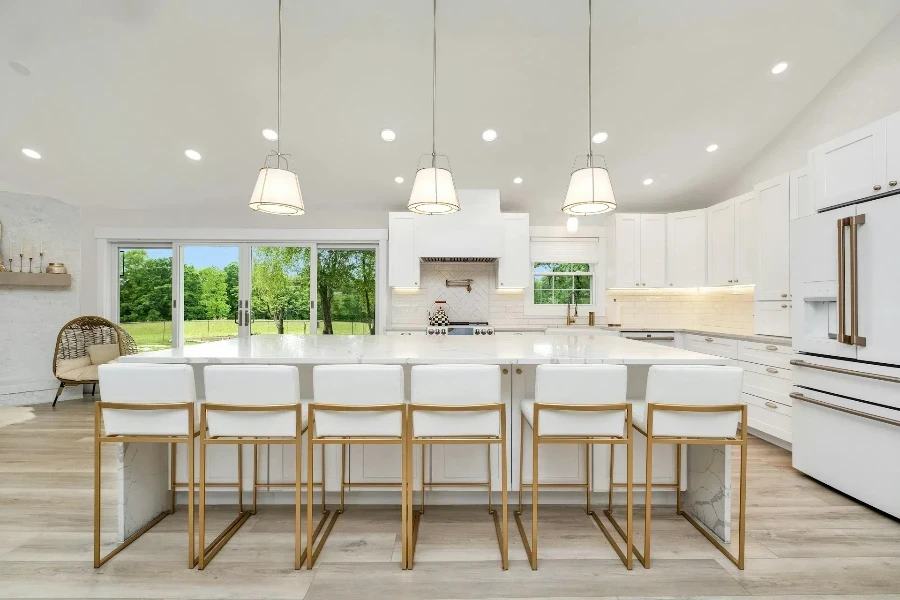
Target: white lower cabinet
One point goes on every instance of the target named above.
(772, 318)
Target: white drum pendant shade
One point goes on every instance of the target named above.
(590, 192)
(433, 192)
(277, 192)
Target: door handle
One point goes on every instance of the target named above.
(842, 277)
(855, 338)
(849, 411)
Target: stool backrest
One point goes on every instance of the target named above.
(146, 384)
(700, 385)
(581, 384)
(455, 385)
(252, 385)
(358, 385)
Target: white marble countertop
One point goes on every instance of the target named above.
(527, 349)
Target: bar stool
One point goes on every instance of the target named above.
(576, 404)
(356, 404)
(145, 404)
(457, 404)
(251, 404)
(693, 404)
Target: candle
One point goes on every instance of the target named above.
(42, 242)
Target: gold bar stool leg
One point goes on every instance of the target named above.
(240, 470)
(256, 476)
(309, 489)
(504, 549)
(490, 500)
(97, 450)
(587, 477)
(535, 487)
(299, 556)
(172, 464)
(648, 487)
(202, 524)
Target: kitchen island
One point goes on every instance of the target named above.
(144, 472)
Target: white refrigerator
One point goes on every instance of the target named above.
(845, 282)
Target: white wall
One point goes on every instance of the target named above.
(30, 316)
(867, 89)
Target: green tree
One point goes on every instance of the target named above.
(213, 293)
(231, 284)
(145, 287)
(193, 290)
(280, 283)
(335, 272)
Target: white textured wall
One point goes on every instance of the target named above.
(30, 317)
(867, 89)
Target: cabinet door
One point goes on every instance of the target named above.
(746, 256)
(773, 227)
(772, 318)
(514, 267)
(403, 265)
(653, 250)
(627, 251)
(850, 167)
(892, 142)
(686, 248)
(720, 250)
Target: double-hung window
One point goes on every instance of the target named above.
(565, 269)
(561, 283)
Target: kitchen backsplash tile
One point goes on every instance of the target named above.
(721, 309)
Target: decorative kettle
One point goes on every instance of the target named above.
(439, 316)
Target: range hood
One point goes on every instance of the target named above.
(474, 234)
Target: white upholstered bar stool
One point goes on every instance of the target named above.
(693, 404)
(356, 404)
(251, 404)
(576, 404)
(458, 404)
(147, 404)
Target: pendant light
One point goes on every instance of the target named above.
(590, 190)
(433, 191)
(277, 190)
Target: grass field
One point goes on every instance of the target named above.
(158, 335)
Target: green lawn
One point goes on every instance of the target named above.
(158, 335)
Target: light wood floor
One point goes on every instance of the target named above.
(804, 540)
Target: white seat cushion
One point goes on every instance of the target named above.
(66, 365)
(455, 385)
(147, 384)
(358, 385)
(701, 385)
(253, 385)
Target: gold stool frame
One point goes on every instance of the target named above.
(313, 553)
(589, 442)
(501, 523)
(207, 553)
(188, 439)
(740, 440)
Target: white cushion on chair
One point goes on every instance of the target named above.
(358, 385)
(146, 384)
(456, 385)
(579, 384)
(252, 385)
(694, 385)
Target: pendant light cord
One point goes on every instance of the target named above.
(278, 139)
(590, 86)
(433, 82)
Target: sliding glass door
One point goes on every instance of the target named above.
(210, 291)
(143, 296)
(280, 285)
(346, 290)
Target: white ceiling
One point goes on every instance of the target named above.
(119, 89)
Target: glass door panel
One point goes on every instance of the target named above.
(280, 290)
(210, 291)
(145, 296)
(345, 290)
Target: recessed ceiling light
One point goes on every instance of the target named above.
(648, 181)
(780, 67)
(19, 68)
(489, 135)
(712, 147)
(192, 154)
(388, 135)
(398, 179)
(600, 137)
(270, 134)
(30, 153)
(517, 180)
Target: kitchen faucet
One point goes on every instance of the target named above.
(569, 318)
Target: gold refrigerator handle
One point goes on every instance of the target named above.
(842, 277)
(855, 338)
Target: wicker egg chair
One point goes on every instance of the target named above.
(73, 341)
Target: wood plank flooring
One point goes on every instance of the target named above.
(804, 541)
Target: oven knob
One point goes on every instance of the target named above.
(477, 331)
(430, 331)
(443, 331)
(490, 332)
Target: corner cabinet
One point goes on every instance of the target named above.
(686, 248)
(638, 246)
(514, 267)
(403, 263)
(731, 233)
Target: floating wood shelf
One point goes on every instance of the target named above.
(42, 279)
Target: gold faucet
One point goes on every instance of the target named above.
(570, 320)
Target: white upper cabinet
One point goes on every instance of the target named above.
(403, 262)
(514, 266)
(746, 255)
(638, 246)
(892, 144)
(731, 232)
(686, 248)
(773, 239)
(852, 166)
(801, 194)
(653, 250)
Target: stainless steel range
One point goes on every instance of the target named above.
(461, 328)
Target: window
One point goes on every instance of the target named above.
(554, 283)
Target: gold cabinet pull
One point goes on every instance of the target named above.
(771, 370)
(876, 187)
(784, 295)
(708, 339)
(892, 183)
(771, 405)
(506, 371)
(784, 306)
(518, 371)
(855, 338)
(773, 348)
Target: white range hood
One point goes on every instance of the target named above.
(474, 234)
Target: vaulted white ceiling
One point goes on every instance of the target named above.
(119, 89)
